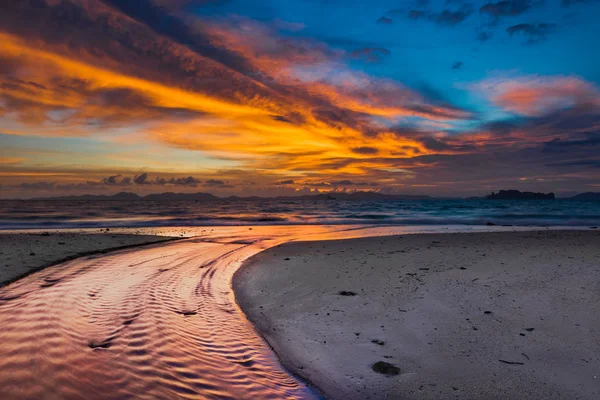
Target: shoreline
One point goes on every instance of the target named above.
(434, 227)
(263, 311)
(23, 254)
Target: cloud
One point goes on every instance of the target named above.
(451, 18)
(568, 3)
(144, 179)
(446, 17)
(37, 186)
(285, 182)
(533, 33)
(141, 179)
(188, 181)
(508, 8)
(112, 180)
(385, 21)
(373, 54)
(146, 12)
(535, 95)
(344, 182)
(10, 160)
(216, 183)
(581, 163)
(484, 36)
(365, 150)
(589, 140)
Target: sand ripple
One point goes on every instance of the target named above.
(158, 322)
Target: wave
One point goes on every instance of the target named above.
(8, 225)
(37, 215)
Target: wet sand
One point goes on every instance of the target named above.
(24, 253)
(469, 316)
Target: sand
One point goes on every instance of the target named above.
(470, 316)
(24, 253)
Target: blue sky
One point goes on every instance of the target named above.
(423, 52)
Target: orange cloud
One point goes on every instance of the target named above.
(534, 96)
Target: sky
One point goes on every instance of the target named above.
(271, 97)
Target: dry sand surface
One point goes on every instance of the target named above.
(469, 316)
(23, 253)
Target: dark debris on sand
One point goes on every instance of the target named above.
(382, 367)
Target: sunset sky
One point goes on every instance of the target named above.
(274, 97)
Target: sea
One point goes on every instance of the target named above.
(55, 214)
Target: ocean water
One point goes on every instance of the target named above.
(36, 214)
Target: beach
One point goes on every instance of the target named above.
(462, 315)
(24, 253)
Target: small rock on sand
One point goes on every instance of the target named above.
(382, 367)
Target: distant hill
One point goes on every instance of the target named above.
(169, 196)
(518, 195)
(586, 196)
(123, 196)
(181, 197)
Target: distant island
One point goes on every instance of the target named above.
(518, 195)
(341, 196)
(587, 196)
(200, 196)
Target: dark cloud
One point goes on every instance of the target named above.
(291, 118)
(580, 163)
(590, 140)
(451, 18)
(417, 14)
(153, 16)
(365, 150)
(188, 181)
(281, 118)
(37, 185)
(179, 5)
(112, 180)
(508, 8)
(533, 33)
(568, 3)
(431, 140)
(285, 182)
(385, 20)
(500, 128)
(216, 183)
(446, 17)
(141, 179)
(457, 65)
(345, 182)
(484, 36)
(373, 54)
